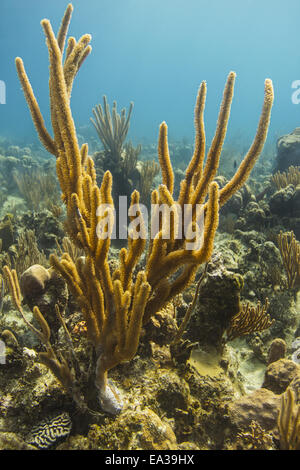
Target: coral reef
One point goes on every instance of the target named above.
(114, 307)
(201, 343)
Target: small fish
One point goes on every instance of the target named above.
(235, 164)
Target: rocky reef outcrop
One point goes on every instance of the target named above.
(288, 150)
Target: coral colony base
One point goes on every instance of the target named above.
(135, 271)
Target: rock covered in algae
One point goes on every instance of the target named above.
(254, 214)
(280, 374)
(10, 441)
(260, 406)
(77, 442)
(162, 326)
(277, 350)
(6, 232)
(172, 392)
(218, 302)
(285, 201)
(288, 150)
(134, 429)
(27, 397)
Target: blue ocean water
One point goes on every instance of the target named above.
(156, 53)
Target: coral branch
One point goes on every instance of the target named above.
(290, 253)
(249, 320)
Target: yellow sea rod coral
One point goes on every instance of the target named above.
(290, 253)
(288, 421)
(116, 304)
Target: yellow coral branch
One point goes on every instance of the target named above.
(164, 158)
(36, 114)
(194, 169)
(213, 156)
(252, 155)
